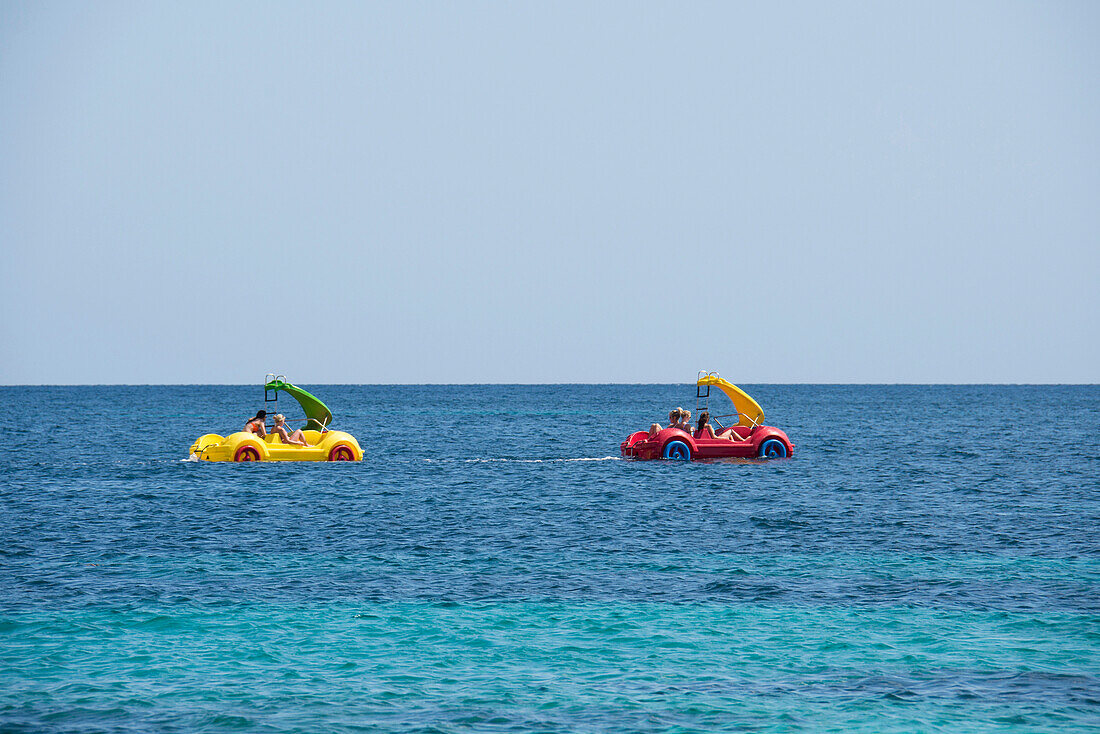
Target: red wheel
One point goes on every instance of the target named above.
(341, 453)
(247, 453)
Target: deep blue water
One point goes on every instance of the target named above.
(928, 561)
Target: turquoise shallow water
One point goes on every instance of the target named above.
(928, 561)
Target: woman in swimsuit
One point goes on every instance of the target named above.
(705, 429)
(673, 422)
(297, 438)
(256, 425)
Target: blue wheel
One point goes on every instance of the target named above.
(773, 448)
(677, 451)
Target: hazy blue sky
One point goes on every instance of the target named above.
(549, 192)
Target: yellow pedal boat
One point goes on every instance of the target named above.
(324, 444)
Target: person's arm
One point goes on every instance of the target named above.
(710, 430)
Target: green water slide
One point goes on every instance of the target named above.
(318, 415)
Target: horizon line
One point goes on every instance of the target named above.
(547, 384)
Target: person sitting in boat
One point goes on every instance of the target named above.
(256, 425)
(673, 422)
(685, 421)
(705, 430)
(297, 438)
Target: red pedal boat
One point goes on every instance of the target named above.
(754, 440)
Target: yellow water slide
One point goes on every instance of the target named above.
(749, 411)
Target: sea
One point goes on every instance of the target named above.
(927, 561)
